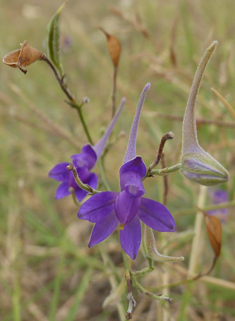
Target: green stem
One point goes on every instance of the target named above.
(126, 266)
(103, 177)
(114, 91)
(206, 208)
(72, 101)
(163, 171)
(151, 295)
(79, 110)
(146, 270)
(83, 186)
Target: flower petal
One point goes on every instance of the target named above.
(80, 194)
(92, 180)
(59, 172)
(97, 207)
(103, 229)
(83, 173)
(131, 174)
(130, 237)
(156, 216)
(126, 207)
(135, 165)
(62, 190)
(87, 157)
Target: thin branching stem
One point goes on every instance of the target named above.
(114, 91)
(72, 101)
(130, 298)
(83, 186)
(146, 270)
(167, 136)
(151, 295)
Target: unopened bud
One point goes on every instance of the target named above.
(149, 248)
(22, 57)
(197, 164)
(202, 168)
(85, 100)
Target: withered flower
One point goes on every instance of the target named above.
(23, 57)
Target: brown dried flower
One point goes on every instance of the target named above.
(22, 57)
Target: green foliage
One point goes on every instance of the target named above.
(53, 39)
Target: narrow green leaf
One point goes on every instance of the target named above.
(53, 39)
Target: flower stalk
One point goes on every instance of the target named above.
(167, 136)
(72, 102)
(83, 186)
(151, 295)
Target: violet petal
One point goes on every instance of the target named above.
(92, 180)
(97, 207)
(62, 190)
(80, 193)
(83, 173)
(130, 237)
(103, 229)
(59, 172)
(126, 207)
(131, 174)
(87, 157)
(156, 216)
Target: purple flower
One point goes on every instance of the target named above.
(83, 162)
(127, 208)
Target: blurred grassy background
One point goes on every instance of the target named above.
(47, 271)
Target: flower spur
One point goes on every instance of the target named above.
(83, 162)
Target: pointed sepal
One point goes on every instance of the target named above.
(150, 251)
(197, 164)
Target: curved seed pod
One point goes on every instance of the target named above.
(197, 164)
(150, 251)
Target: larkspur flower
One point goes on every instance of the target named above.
(127, 208)
(83, 162)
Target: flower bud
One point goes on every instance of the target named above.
(149, 248)
(197, 164)
(202, 168)
(22, 57)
